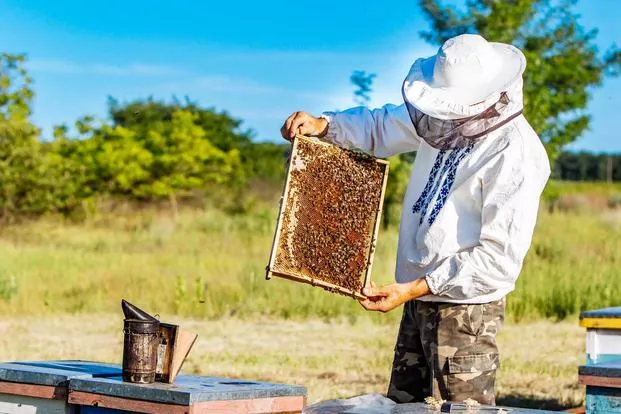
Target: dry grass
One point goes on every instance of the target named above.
(333, 360)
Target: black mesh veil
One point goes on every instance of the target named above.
(447, 134)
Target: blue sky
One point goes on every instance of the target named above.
(257, 60)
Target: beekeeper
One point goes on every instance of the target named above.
(469, 210)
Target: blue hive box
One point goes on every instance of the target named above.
(189, 394)
(78, 387)
(41, 387)
(603, 387)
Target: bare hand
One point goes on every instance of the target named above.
(387, 298)
(304, 124)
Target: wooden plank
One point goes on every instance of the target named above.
(319, 141)
(38, 391)
(378, 219)
(318, 282)
(138, 406)
(292, 404)
(608, 382)
(281, 211)
(187, 390)
(601, 323)
(286, 404)
(577, 410)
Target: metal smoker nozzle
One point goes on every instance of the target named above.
(135, 313)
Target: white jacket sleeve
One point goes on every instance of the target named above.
(511, 189)
(382, 132)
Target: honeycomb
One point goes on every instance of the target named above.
(329, 216)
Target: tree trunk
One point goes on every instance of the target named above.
(173, 205)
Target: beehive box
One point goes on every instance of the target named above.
(329, 217)
(603, 336)
(188, 395)
(41, 386)
(603, 387)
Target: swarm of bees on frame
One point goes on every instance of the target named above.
(336, 195)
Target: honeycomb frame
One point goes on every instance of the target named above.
(287, 224)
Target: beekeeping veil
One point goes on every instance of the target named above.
(470, 88)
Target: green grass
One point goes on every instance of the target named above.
(50, 267)
(586, 187)
(573, 265)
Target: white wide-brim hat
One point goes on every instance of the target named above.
(464, 78)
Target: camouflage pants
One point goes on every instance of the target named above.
(447, 351)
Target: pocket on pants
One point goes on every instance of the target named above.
(472, 376)
(464, 364)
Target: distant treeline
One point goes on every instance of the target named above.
(586, 166)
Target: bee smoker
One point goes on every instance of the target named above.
(140, 345)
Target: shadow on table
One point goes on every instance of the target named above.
(525, 401)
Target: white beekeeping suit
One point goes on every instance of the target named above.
(471, 205)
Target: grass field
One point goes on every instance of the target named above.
(173, 267)
(61, 284)
(335, 359)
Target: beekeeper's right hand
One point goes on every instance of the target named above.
(303, 123)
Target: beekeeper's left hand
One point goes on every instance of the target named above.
(387, 298)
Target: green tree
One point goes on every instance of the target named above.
(398, 178)
(363, 82)
(563, 61)
(175, 157)
(586, 166)
(159, 158)
(265, 161)
(152, 150)
(222, 130)
(22, 163)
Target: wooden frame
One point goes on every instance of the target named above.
(48, 392)
(281, 212)
(378, 220)
(608, 382)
